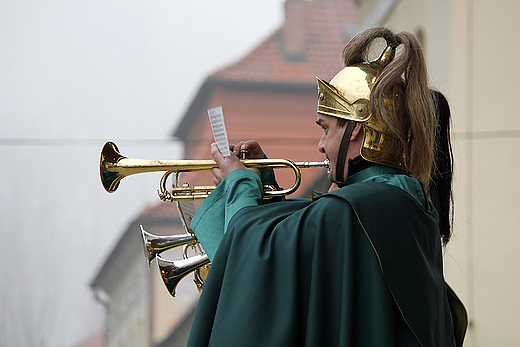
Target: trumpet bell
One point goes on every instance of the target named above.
(109, 158)
(172, 272)
(154, 245)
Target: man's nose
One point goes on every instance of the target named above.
(321, 145)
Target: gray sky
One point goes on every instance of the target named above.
(72, 75)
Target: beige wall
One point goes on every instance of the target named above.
(471, 47)
(484, 260)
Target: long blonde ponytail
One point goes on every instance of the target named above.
(402, 89)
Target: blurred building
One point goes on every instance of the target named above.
(270, 96)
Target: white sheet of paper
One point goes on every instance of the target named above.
(216, 119)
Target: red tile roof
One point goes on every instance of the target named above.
(325, 24)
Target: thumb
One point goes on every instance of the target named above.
(215, 153)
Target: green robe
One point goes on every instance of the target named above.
(360, 266)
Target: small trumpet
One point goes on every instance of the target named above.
(114, 167)
(154, 245)
(172, 272)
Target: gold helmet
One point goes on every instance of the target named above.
(347, 96)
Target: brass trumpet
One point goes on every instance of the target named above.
(172, 272)
(114, 167)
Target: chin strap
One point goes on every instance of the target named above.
(342, 154)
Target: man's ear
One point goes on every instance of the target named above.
(357, 132)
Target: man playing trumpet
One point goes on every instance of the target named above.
(358, 266)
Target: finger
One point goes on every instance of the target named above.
(215, 153)
(237, 148)
(247, 145)
(253, 148)
(217, 176)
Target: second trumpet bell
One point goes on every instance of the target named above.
(172, 272)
